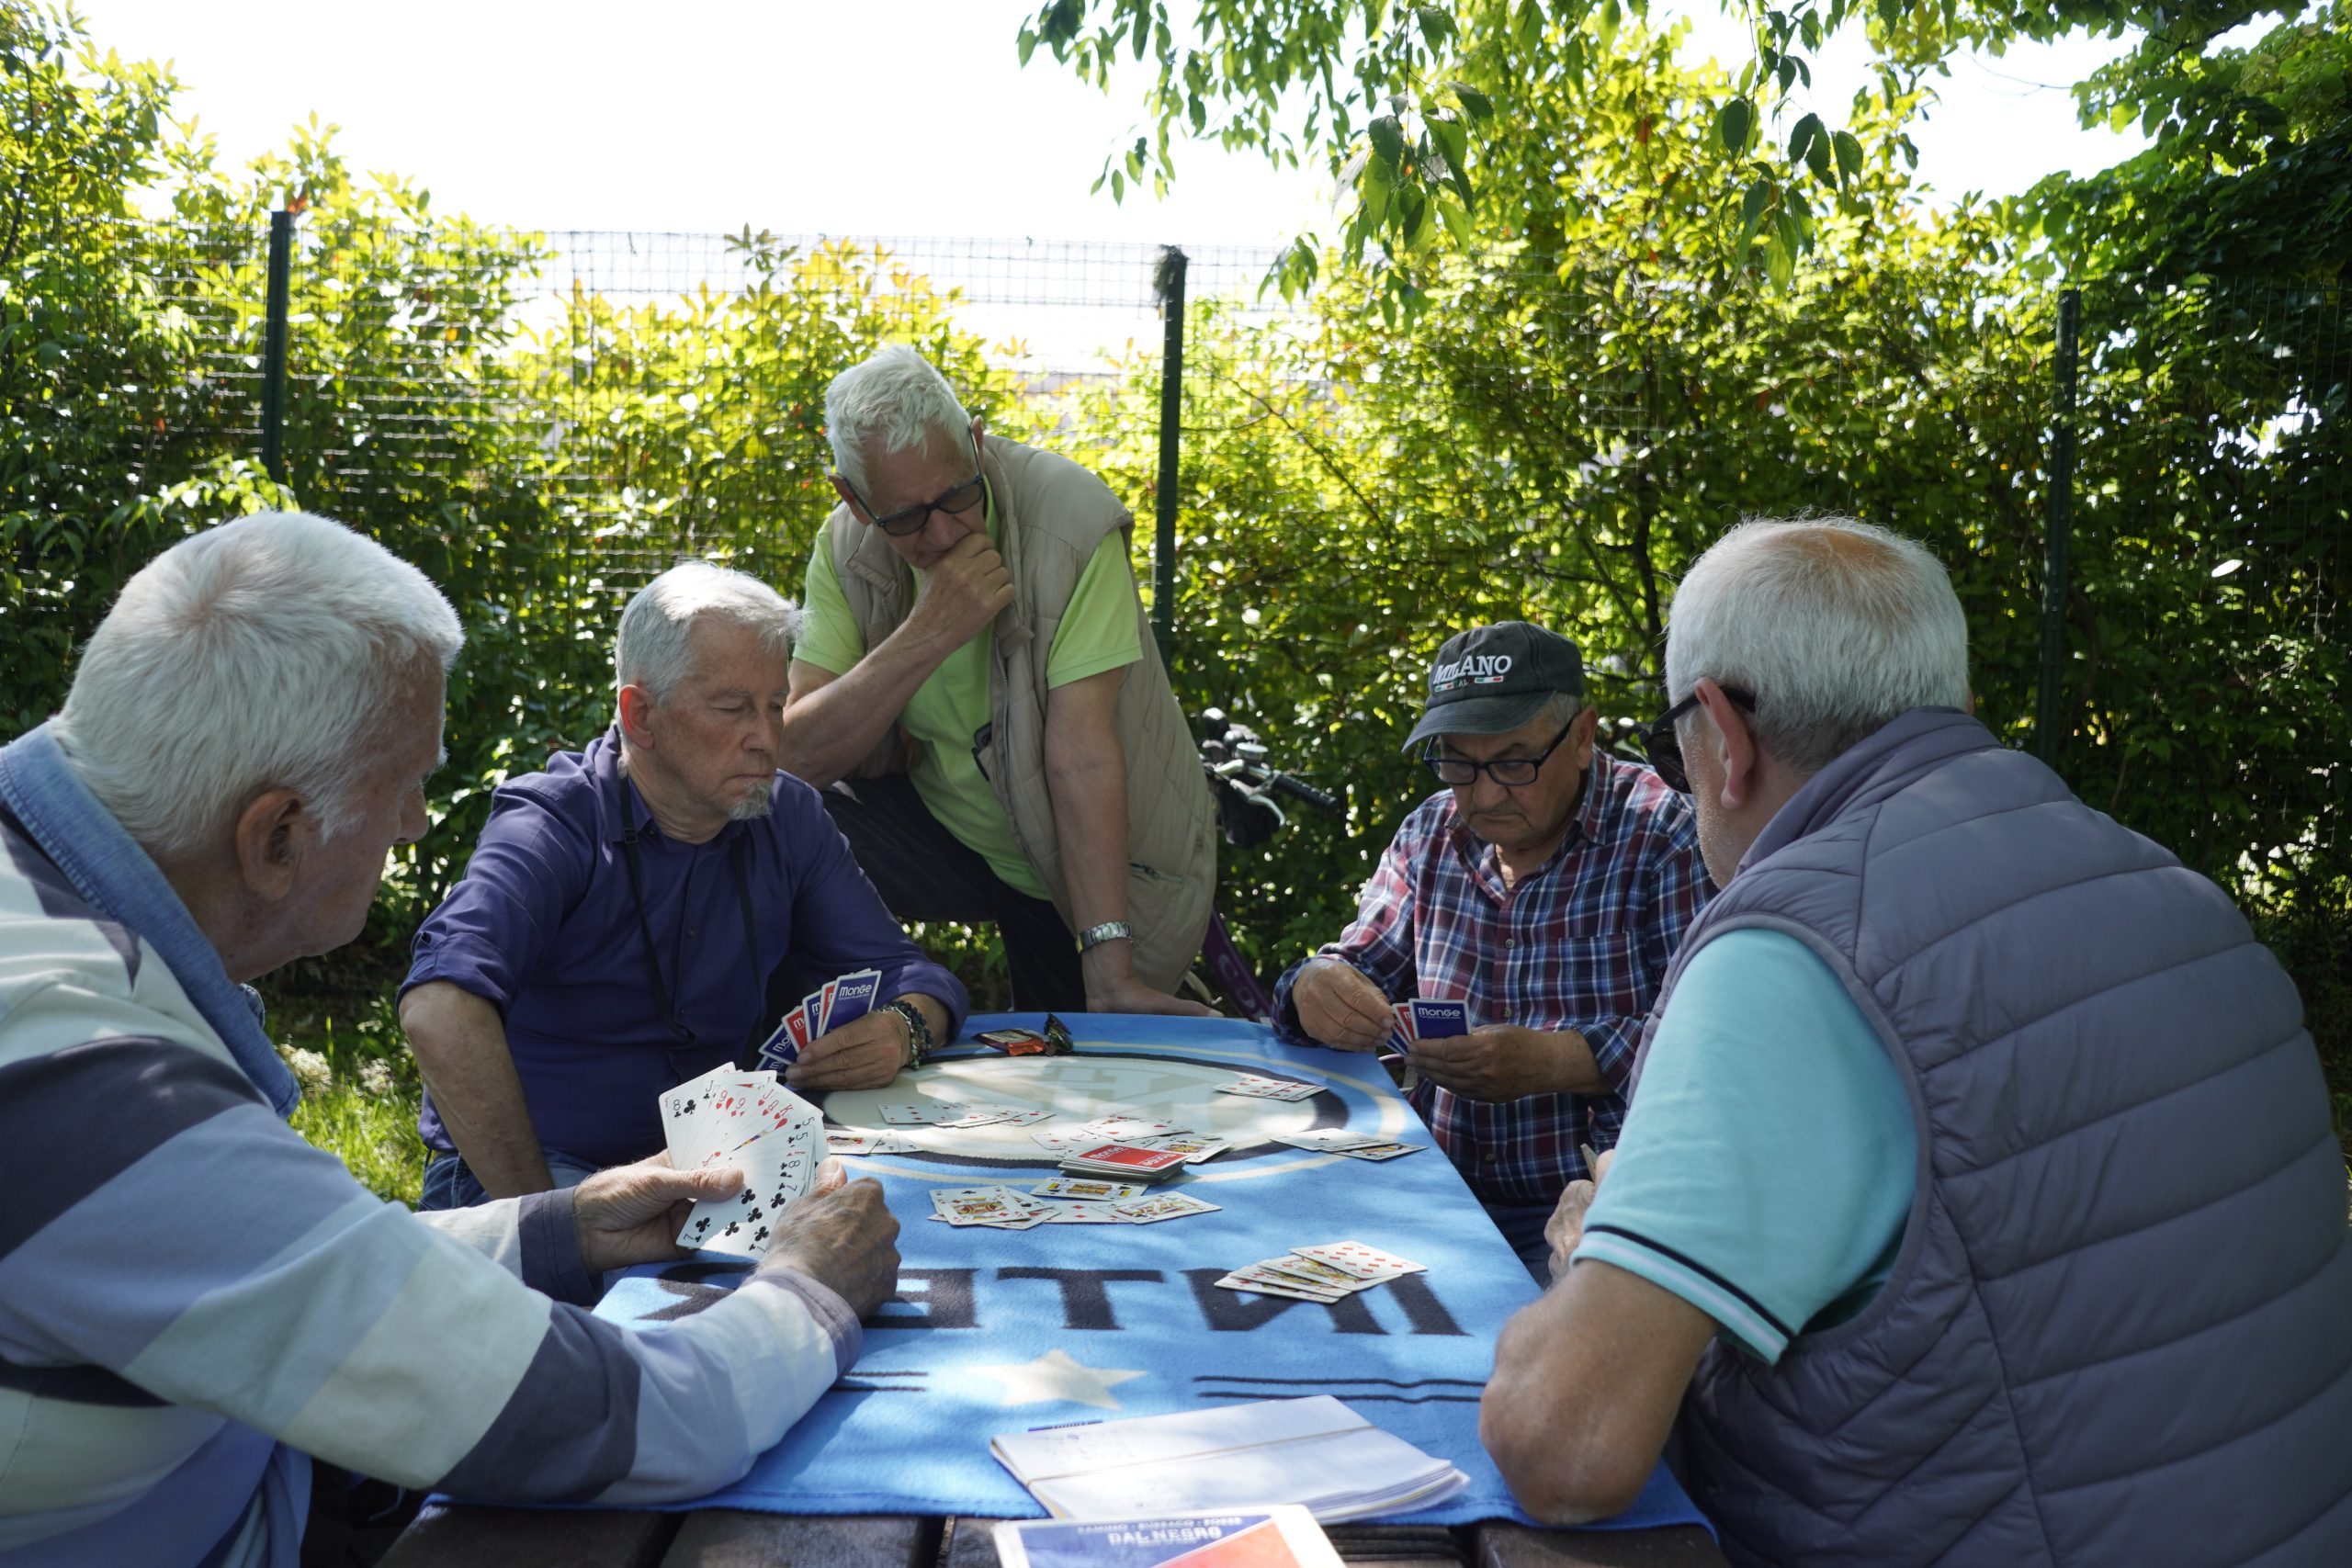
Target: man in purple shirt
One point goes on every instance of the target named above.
(1546, 887)
(616, 927)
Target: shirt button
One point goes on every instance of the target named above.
(1486, 1159)
(1510, 942)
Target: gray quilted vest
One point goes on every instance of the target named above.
(2119, 1326)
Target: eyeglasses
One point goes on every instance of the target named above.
(1664, 748)
(1512, 772)
(914, 519)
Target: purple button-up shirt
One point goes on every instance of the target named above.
(543, 925)
(1582, 944)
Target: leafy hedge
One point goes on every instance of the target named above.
(1580, 404)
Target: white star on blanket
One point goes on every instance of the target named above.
(1056, 1377)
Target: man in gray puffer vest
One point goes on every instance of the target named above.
(1978, 1201)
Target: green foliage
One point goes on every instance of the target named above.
(1405, 106)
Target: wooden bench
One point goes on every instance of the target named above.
(728, 1537)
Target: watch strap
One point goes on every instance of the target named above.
(1093, 937)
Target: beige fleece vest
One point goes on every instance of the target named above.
(1051, 515)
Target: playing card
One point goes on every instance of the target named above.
(1436, 1019)
(1364, 1262)
(985, 1205)
(1319, 1276)
(1070, 1187)
(1327, 1140)
(1268, 1288)
(813, 1014)
(1194, 1147)
(1058, 1143)
(1129, 1129)
(1081, 1214)
(980, 1114)
(1262, 1276)
(1124, 1157)
(685, 1117)
(825, 1007)
(1162, 1206)
(1257, 1088)
(924, 1114)
(777, 1167)
(858, 1141)
(853, 996)
(1381, 1150)
(796, 1035)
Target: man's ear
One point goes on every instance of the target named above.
(1580, 733)
(1735, 743)
(273, 833)
(637, 706)
(840, 488)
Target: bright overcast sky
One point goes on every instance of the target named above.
(879, 117)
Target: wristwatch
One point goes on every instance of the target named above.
(917, 1031)
(1093, 937)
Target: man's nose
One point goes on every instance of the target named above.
(414, 819)
(943, 529)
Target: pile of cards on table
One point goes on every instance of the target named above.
(1060, 1202)
(752, 1123)
(959, 1113)
(1338, 1141)
(1428, 1018)
(1259, 1088)
(1137, 1148)
(1322, 1273)
(822, 1011)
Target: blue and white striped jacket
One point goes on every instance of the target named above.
(192, 1298)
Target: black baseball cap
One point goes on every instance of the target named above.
(1491, 680)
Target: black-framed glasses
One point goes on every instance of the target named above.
(914, 519)
(1512, 772)
(1664, 748)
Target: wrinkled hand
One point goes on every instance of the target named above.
(1338, 1005)
(963, 591)
(1566, 1228)
(865, 1053)
(633, 1213)
(1131, 995)
(1494, 1062)
(841, 1236)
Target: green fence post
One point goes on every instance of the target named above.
(273, 351)
(1167, 283)
(2060, 521)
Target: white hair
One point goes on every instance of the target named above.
(655, 647)
(260, 654)
(896, 401)
(1835, 626)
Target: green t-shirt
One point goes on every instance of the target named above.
(1766, 1168)
(1098, 632)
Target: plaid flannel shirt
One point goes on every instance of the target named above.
(1582, 944)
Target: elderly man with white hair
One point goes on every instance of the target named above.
(1978, 1203)
(979, 690)
(202, 1318)
(615, 931)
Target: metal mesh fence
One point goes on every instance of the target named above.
(546, 419)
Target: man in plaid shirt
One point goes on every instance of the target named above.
(1548, 888)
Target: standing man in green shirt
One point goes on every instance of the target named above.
(976, 693)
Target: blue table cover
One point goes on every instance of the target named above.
(998, 1331)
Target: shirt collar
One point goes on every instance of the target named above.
(118, 880)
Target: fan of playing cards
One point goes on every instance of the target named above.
(1427, 1018)
(822, 1011)
(750, 1122)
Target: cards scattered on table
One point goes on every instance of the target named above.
(1006, 1209)
(1355, 1145)
(822, 1011)
(1070, 1187)
(1257, 1088)
(861, 1141)
(752, 1123)
(1322, 1273)
(1123, 1129)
